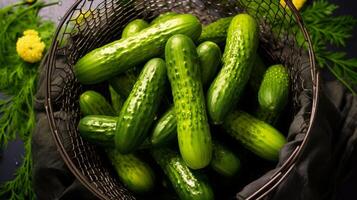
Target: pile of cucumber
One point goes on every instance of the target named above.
(170, 86)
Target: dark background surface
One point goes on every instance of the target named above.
(10, 158)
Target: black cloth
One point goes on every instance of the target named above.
(324, 163)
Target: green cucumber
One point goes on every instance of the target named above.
(165, 129)
(192, 124)
(140, 107)
(273, 93)
(134, 27)
(162, 17)
(93, 103)
(188, 184)
(257, 74)
(135, 174)
(216, 31)
(254, 134)
(98, 129)
(114, 58)
(224, 161)
(210, 58)
(238, 60)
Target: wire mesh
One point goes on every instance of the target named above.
(90, 24)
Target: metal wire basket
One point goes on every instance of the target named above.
(89, 24)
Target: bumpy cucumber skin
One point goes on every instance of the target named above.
(134, 27)
(254, 134)
(135, 174)
(210, 57)
(188, 184)
(106, 62)
(273, 93)
(216, 31)
(238, 61)
(193, 130)
(162, 17)
(98, 129)
(165, 129)
(93, 103)
(224, 161)
(139, 109)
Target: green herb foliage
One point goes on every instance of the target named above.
(18, 83)
(328, 30)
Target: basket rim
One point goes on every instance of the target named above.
(281, 173)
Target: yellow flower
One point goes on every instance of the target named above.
(30, 47)
(297, 3)
(30, 1)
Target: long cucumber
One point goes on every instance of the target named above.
(114, 58)
(189, 103)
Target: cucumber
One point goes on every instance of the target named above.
(162, 17)
(188, 184)
(165, 129)
(224, 161)
(135, 174)
(93, 103)
(210, 58)
(114, 58)
(273, 93)
(189, 103)
(254, 134)
(117, 100)
(139, 109)
(238, 60)
(216, 31)
(257, 74)
(134, 27)
(98, 129)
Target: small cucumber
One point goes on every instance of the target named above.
(162, 17)
(188, 184)
(216, 31)
(224, 161)
(98, 129)
(93, 103)
(139, 109)
(114, 58)
(165, 129)
(134, 27)
(189, 103)
(254, 134)
(273, 93)
(135, 174)
(238, 60)
(210, 58)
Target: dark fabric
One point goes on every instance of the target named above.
(327, 158)
(51, 177)
(322, 167)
